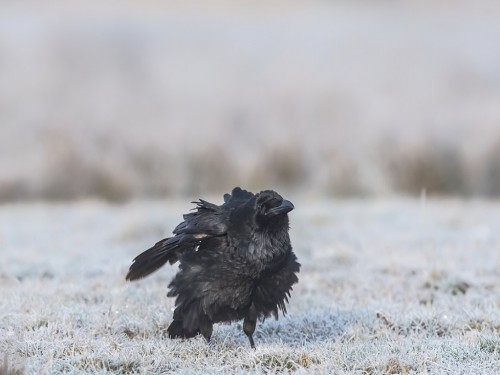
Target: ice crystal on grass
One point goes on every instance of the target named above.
(363, 316)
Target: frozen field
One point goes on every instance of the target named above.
(397, 286)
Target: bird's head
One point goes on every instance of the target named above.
(270, 204)
(259, 225)
(271, 216)
(271, 212)
(266, 209)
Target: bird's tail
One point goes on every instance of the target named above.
(189, 323)
(177, 331)
(149, 261)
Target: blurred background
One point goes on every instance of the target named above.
(154, 99)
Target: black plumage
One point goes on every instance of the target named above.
(236, 262)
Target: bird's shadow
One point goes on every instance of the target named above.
(293, 330)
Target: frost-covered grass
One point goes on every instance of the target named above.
(386, 287)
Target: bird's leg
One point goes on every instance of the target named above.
(249, 324)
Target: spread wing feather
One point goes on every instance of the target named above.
(207, 221)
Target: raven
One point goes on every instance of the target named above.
(236, 262)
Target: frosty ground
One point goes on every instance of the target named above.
(386, 286)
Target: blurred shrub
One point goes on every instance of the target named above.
(436, 168)
(280, 167)
(153, 173)
(343, 178)
(490, 173)
(211, 171)
(13, 191)
(71, 177)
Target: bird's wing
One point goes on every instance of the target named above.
(237, 196)
(207, 221)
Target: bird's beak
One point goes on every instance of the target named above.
(283, 208)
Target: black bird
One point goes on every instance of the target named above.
(236, 262)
